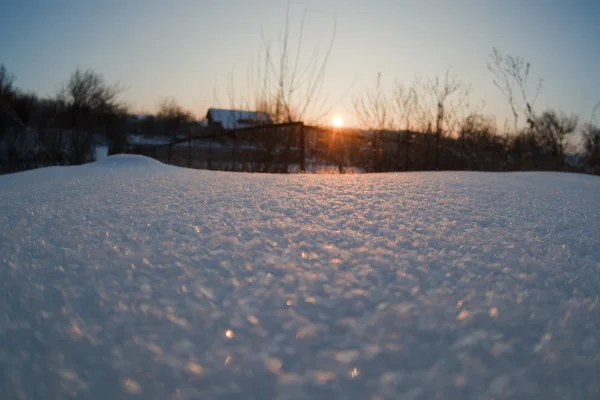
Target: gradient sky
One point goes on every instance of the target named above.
(188, 49)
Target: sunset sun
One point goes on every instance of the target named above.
(337, 121)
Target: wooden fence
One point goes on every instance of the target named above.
(288, 148)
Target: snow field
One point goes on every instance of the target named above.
(127, 278)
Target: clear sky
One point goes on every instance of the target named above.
(189, 49)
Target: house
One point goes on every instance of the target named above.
(235, 119)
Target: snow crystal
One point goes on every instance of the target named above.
(129, 278)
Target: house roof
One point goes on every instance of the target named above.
(232, 119)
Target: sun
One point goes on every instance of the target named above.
(337, 121)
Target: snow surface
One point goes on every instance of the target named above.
(100, 152)
(127, 278)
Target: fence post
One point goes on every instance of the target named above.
(302, 149)
(234, 152)
(209, 163)
(398, 144)
(190, 151)
(374, 154)
(407, 152)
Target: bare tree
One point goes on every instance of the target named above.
(287, 82)
(6, 82)
(511, 77)
(433, 107)
(8, 92)
(552, 130)
(292, 87)
(173, 116)
(593, 119)
(90, 101)
(85, 94)
(478, 127)
(175, 121)
(445, 108)
(591, 147)
(375, 110)
(481, 147)
(406, 106)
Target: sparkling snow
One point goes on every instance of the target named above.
(127, 278)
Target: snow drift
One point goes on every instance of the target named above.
(127, 277)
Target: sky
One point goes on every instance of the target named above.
(196, 51)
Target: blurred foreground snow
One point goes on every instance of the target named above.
(128, 278)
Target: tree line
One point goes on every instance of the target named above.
(62, 129)
(436, 122)
(430, 124)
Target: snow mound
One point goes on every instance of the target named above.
(128, 278)
(130, 166)
(129, 161)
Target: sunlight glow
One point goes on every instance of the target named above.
(337, 121)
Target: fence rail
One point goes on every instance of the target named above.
(287, 148)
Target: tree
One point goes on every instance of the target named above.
(9, 122)
(511, 77)
(594, 112)
(542, 143)
(172, 117)
(8, 98)
(292, 89)
(86, 95)
(552, 130)
(477, 127)
(92, 107)
(175, 121)
(85, 91)
(148, 125)
(406, 106)
(442, 93)
(374, 110)
(482, 148)
(6, 82)
(286, 82)
(591, 147)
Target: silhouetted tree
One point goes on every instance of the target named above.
(541, 143)
(481, 147)
(591, 147)
(6, 82)
(442, 93)
(406, 104)
(8, 93)
(511, 77)
(86, 94)
(172, 117)
(287, 83)
(175, 122)
(93, 108)
(375, 112)
(551, 131)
